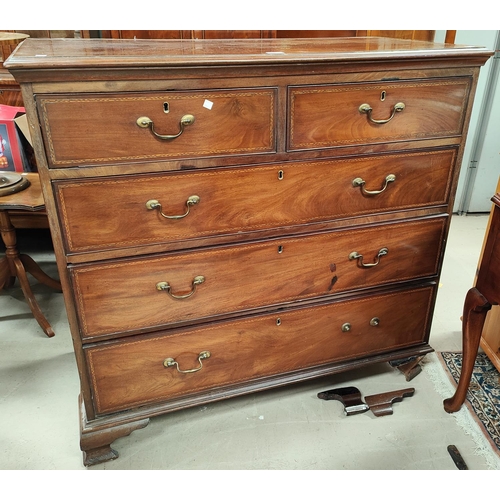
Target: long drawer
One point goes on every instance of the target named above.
(146, 369)
(341, 115)
(98, 129)
(115, 213)
(129, 295)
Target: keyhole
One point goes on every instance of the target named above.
(280, 175)
(382, 95)
(280, 249)
(278, 321)
(165, 107)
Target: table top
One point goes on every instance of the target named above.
(30, 198)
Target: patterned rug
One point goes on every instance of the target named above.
(483, 396)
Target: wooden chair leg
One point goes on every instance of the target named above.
(475, 309)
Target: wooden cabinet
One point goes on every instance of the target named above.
(10, 92)
(490, 338)
(481, 300)
(234, 215)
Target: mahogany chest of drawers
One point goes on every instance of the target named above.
(234, 215)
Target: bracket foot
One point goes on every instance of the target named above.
(95, 443)
(381, 404)
(409, 367)
(350, 397)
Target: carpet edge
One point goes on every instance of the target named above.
(445, 387)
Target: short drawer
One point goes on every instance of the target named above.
(342, 115)
(103, 129)
(113, 213)
(151, 369)
(161, 291)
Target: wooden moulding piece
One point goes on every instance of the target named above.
(409, 367)
(381, 404)
(96, 443)
(350, 397)
(457, 457)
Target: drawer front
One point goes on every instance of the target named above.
(330, 116)
(113, 213)
(161, 291)
(101, 129)
(131, 373)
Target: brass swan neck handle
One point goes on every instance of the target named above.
(366, 108)
(145, 122)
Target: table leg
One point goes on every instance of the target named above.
(34, 269)
(475, 309)
(6, 278)
(15, 265)
(30, 298)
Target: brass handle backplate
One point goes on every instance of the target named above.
(192, 200)
(366, 108)
(356, 255)
(145, 122)
(164, 286)
(171, 362)
(359, 182)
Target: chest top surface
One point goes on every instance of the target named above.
(62, 53)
